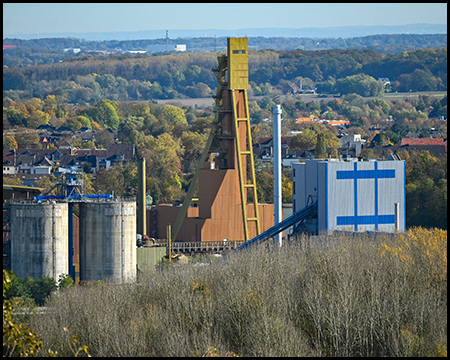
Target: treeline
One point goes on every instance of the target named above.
(171, 140)
(381, 43)
(88, 79)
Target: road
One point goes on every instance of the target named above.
(202, 102)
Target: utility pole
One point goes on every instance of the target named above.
(167, 40)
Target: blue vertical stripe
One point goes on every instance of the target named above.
(404, 195)
(376, 195)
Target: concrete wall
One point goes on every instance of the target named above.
(39, 240)
(108, 241)
(147, 258)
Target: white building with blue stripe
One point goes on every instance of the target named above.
(352, 195)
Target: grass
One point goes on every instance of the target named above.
(344, 295)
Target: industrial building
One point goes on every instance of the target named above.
(351, 194)
(45, 238)
(224, 183)
(48, 240)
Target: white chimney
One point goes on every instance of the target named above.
(277, 201)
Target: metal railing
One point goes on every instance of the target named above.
(201, 246)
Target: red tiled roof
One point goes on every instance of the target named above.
(423, 141)
(5, 47)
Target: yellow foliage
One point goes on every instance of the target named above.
(421, 246)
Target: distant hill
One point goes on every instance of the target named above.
(383, 43)
(317, 32)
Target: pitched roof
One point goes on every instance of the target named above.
(423, 141)
(127, 150)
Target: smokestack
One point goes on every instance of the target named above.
(142, 208)
(277, 201)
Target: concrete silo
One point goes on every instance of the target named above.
(39, 239)
(108, 241)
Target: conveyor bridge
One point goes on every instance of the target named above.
(297, 217)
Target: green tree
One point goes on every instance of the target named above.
(73, 124)
(305, 140)
(163, 164)
(193, 144)
(426, 190)
(26, 137)
(321, 147)
(14, 116)
(360, 84)
(84, 121)
(105, 113)
(14, 80)
(37, 118)
(18, 340)
(118, 179)
(9, 142)
(173, 115)
(199, 90)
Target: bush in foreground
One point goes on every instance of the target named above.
(339, 295)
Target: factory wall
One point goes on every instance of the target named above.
(352, 195)
(219, 212)
(39, 240)
(108, 241)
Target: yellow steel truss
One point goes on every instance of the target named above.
(235, 65)
(244, 148)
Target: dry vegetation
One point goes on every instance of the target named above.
(338, 296)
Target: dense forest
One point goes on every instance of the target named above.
(90, 79)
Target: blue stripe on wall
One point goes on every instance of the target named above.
(356, 174)
(365, 174)
(376, 194)
(365, 219)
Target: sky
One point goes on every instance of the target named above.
(41, 18)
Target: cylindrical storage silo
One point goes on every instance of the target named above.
(108, 241)
(39, 240)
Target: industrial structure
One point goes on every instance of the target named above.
(355, 195)
(351, 194)
(221, 206)
(45, 242)
(224, 183)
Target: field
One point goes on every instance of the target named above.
(202, 102)
(340, 295)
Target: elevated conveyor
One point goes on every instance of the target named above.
(293, 219)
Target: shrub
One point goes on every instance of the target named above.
(336, 295)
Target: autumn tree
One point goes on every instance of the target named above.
(162, 155)
(193, 144)
(9, 142)
(118, 179)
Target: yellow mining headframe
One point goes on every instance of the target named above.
(230, 135)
